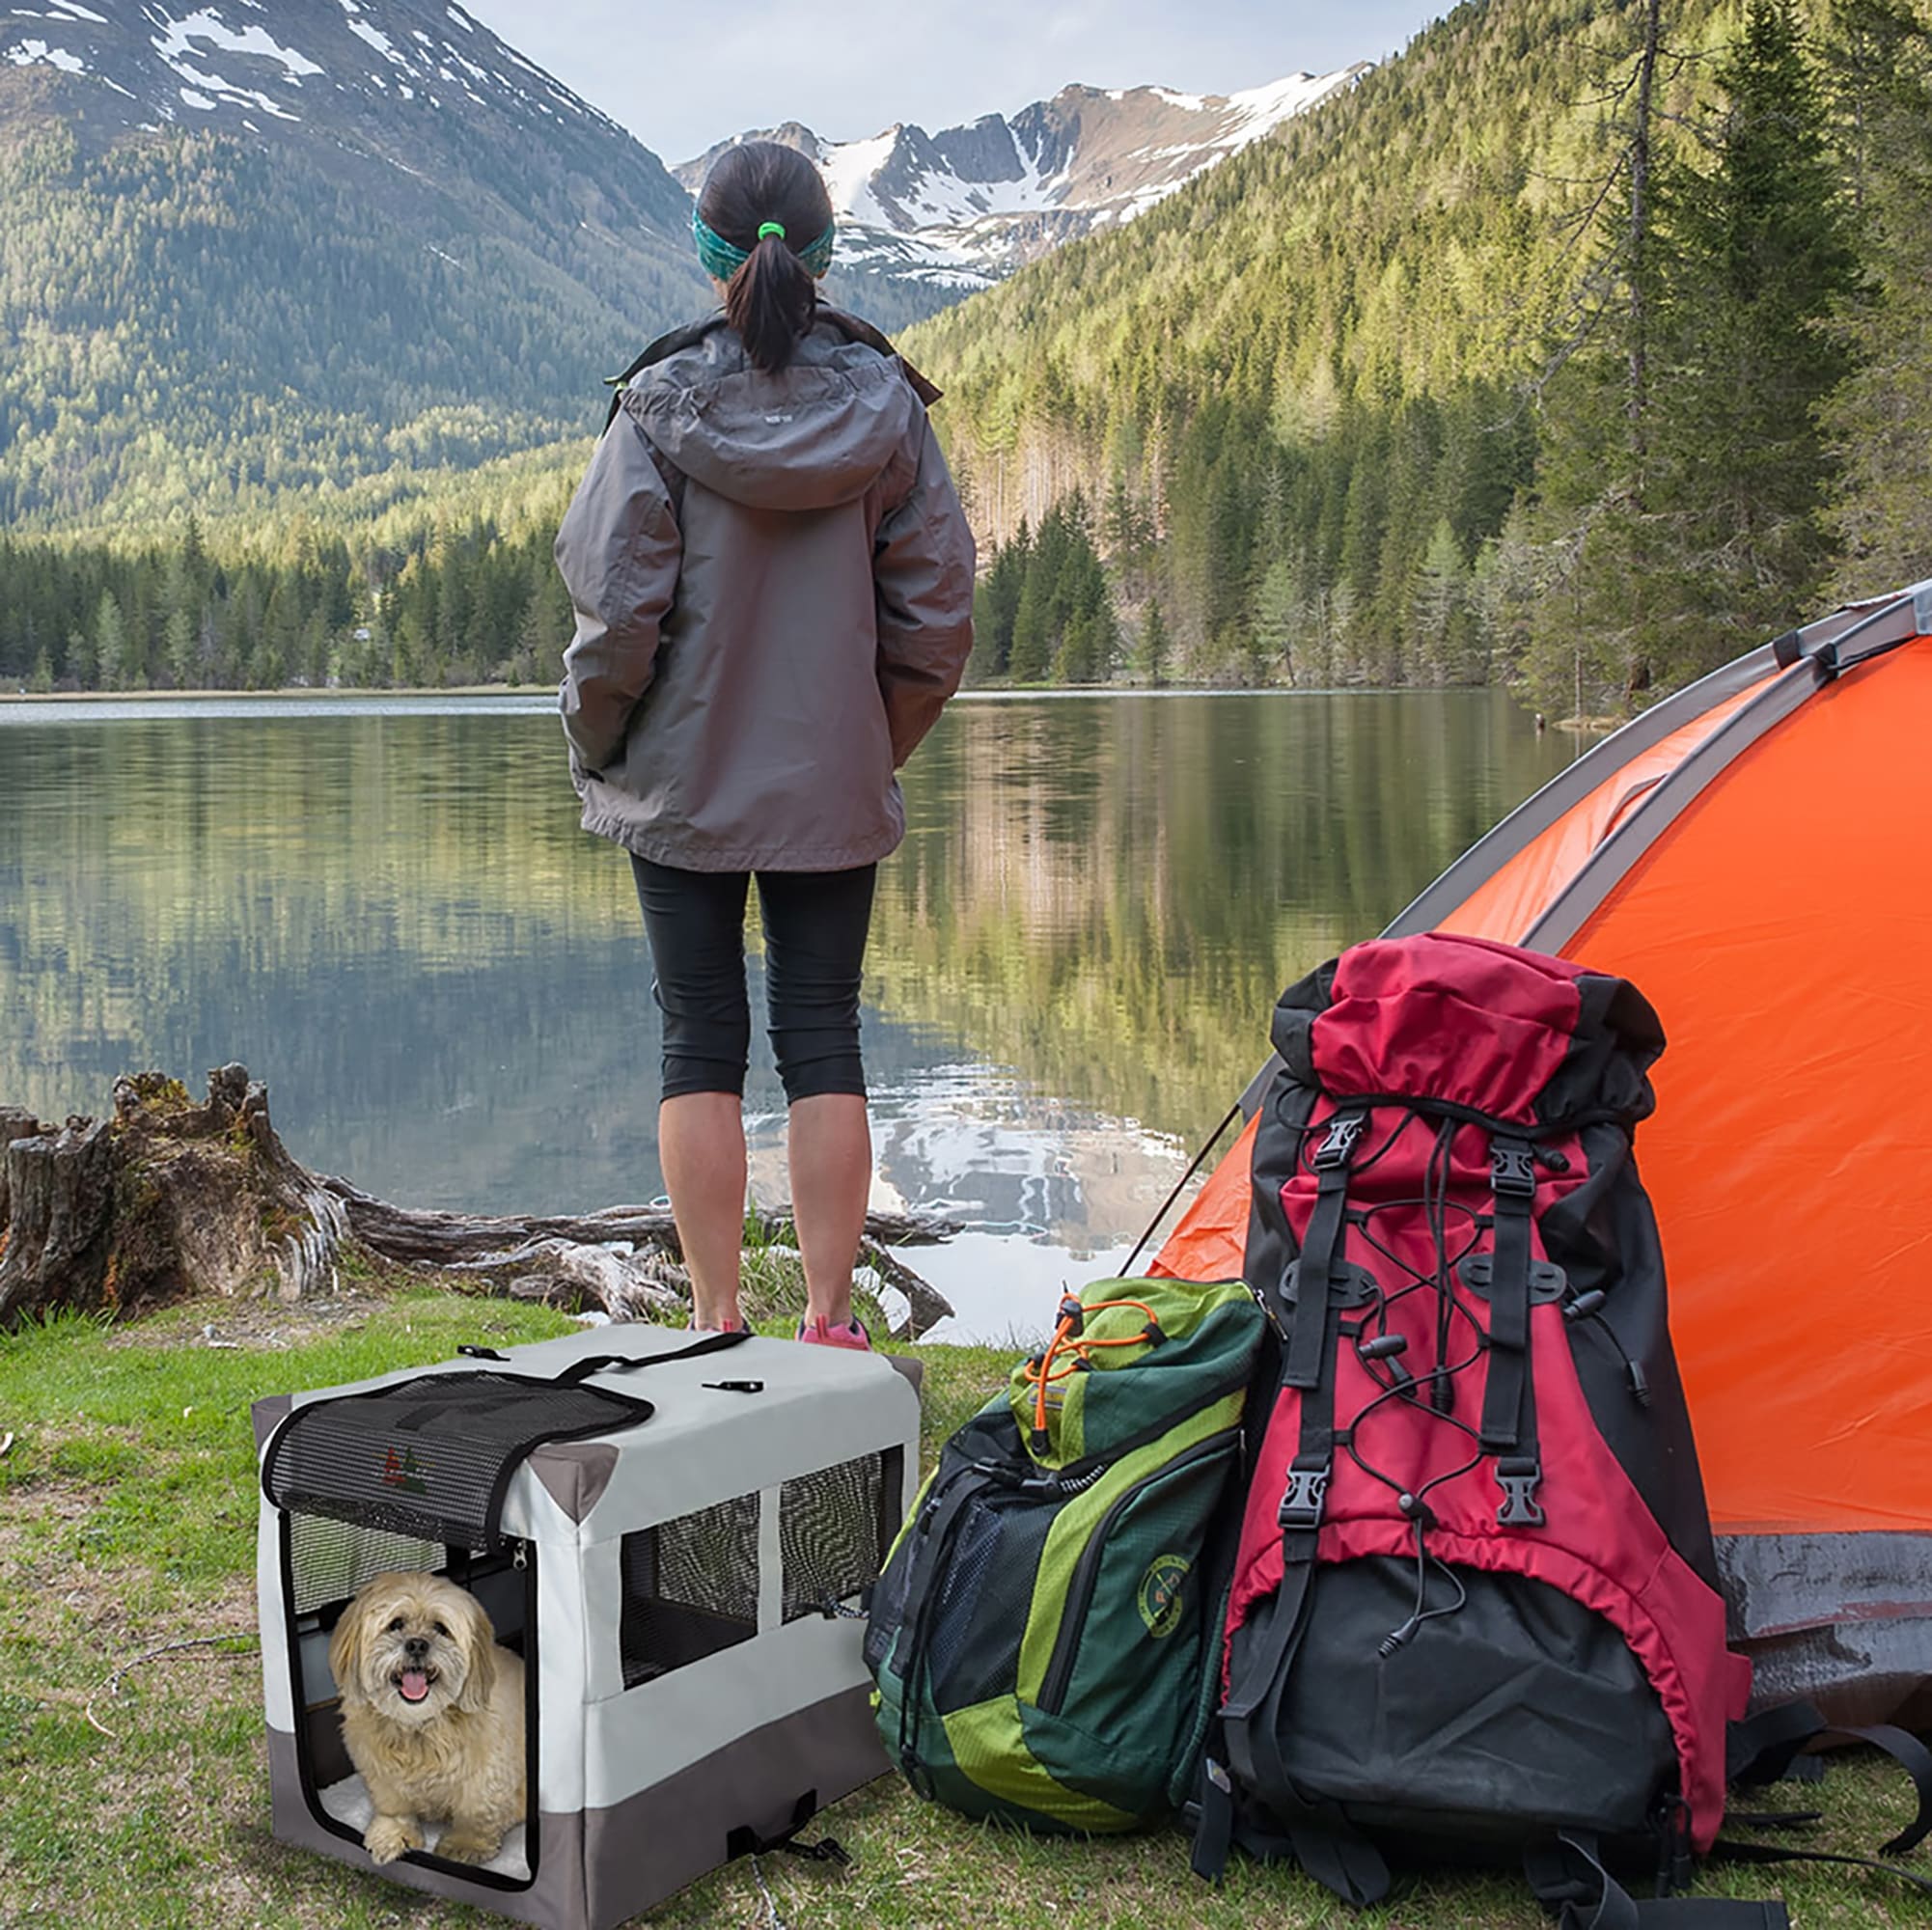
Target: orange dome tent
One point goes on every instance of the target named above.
(1755, 855)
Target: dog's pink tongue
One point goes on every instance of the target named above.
(415, 1685)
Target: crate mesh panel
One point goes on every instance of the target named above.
(430, 1457)
(831, 1534)
(329, 1560)
(690, 1588)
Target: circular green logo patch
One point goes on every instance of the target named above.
(1160, 1600)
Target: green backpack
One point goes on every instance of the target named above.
(1044, 1635)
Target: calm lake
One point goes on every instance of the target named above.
(384, 907)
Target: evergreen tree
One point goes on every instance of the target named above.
(1438, 609)
(1128, 530)
(409, 651)
(546, 627)
(1588, 624)
(316, 647)
(1275, 621)
(1762, 259)
(1156, 646)
(178, 648)
(1873, 62)
(1037, 626)
(996, 604)
(1683, 469)
(80, 660)
(1880, 420)
(1027, 660)
(110, 651)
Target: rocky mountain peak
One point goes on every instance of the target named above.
(958, 210)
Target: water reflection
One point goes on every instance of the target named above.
(387, 910)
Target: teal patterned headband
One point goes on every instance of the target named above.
(721, 260)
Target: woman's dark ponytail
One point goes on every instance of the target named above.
(770, 299)
(770, 303)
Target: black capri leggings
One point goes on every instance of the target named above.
(815, 947)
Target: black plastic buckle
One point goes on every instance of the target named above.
(1344, 1130)
(826, 1850)
(1307, 1490)
(1512, 1170)
(1519, 1480)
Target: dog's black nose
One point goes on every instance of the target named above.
(416, 1647)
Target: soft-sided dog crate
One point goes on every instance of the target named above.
(679, 1565)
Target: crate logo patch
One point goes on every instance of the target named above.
(403, 1471)
(1160, 1599)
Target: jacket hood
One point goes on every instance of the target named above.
(818, 434)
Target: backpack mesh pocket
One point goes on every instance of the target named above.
(986, 1600)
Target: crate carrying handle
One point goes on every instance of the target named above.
(625, 1363)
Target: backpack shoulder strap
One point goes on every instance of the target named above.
(854, 329)
(1765, 1749)
(1307, 1366)
(665, 345)
(850, 326)
(1568, 1877)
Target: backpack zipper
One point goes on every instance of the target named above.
(1085, 1573)
(1082, 1474)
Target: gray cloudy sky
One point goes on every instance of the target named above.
(684, 76)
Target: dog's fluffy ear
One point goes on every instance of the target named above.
(345, 1651)
(480, 1652)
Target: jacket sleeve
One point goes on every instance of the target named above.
(619, 550)
(923, 569)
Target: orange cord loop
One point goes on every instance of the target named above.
(1069, 1338)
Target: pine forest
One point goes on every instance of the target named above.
(1577, 348)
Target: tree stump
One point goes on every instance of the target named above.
(163, 1199)
(14, 1125)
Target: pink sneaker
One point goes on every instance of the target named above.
(850, 1333)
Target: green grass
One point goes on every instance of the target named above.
(128, 1514)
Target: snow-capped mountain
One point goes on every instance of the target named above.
(254, 248)
(237, 63)
(418, 90)
(958, 210)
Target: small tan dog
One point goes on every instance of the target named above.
(432, 1715)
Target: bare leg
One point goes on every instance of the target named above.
(700, 1145)
(829, 1145)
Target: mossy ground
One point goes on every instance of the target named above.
(128, 1511)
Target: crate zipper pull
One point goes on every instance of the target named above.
(519, 1555)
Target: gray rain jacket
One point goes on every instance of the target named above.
(773, 582)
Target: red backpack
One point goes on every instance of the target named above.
(1476, 1607)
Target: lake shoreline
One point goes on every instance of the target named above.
(281, 694)
(983, 693)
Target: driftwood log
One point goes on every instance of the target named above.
(167, 1198)
(588, 1250)
(433, 1238)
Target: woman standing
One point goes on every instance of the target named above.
(773, 583)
